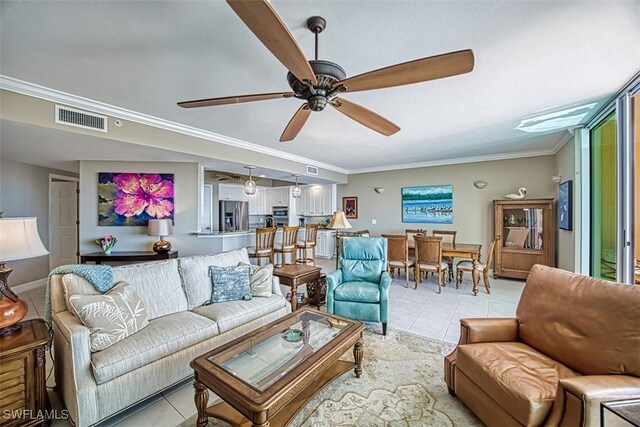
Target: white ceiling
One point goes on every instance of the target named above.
(531, 56)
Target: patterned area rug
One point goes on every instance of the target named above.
(401, 385)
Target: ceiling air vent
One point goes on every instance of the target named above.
(82, 119)
(312, 170)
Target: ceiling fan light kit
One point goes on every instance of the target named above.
(318, 82)
(250, 185)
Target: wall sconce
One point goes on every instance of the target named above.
(378, 190)
(556, 178)
(479, 184)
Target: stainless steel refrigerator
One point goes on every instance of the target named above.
(234, 215)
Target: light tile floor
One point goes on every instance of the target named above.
(421, 312)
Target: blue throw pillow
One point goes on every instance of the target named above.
(230, 283)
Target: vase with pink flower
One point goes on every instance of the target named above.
(106, 243)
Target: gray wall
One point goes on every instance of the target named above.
(186, 199)
(565, 166)
(24, 191)
(472, 208)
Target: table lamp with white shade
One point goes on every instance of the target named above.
(160, 228)
(19, 239)
(338, 222)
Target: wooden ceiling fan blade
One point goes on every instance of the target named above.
(234, 99)
(365, 116)
(295, 124)
(265, 23)
(419, 70)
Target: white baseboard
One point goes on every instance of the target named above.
(29, 286)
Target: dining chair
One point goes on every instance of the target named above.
(364, 233)
(264, 244)
(309, 242)
(429, 258)
(287, 245)
(398, 255)
(466, 265)
(450, 235)
(412, 233)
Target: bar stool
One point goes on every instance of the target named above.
(288, 245)
(309, 242)
(265, 238)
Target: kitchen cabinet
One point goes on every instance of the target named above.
(316, 201)
(277, 196)
(325, 244)
(258, 202)
(526, 229)
(232, 192)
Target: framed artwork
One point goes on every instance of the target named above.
(350, 207)
(565, 208)
(428, 204)
(134, 198)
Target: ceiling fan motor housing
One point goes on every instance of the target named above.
(327, 73)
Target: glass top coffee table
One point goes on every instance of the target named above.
(266, 376)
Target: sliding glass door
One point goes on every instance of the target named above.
(604, 199)
(613, 218)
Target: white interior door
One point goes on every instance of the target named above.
(63, 230)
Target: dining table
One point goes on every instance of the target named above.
(461, 250)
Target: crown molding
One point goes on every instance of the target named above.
(564, 138)
(461, 160)
(19, 86)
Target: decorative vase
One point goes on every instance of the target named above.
(107, 251)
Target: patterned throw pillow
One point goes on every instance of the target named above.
(261, 280)
(230, 283)
(110, 317)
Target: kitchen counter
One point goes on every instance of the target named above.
(225, 233)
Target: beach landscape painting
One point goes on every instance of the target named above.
(432, 204)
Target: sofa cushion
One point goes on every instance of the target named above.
(230, 283)
(231, 314)
(158, 285)
(602, 321)
(195, 273)
(76, 285)
(112, 316)
(162, 337)
(520, 379)
(357, 292)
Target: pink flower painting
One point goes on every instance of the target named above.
(134, 198)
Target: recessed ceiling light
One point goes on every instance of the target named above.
(557, 120)
(262, 176)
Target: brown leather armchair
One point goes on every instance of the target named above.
(575, 342)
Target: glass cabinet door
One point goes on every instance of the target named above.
(522, 228)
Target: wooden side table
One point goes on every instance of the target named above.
(294, 275)
(126, 256)
(22, 376)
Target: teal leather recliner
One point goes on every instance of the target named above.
(359, 289)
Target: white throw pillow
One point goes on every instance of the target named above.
(262, 280)
(112, 316)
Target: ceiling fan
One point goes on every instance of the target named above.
(319, 82)
(222, 176)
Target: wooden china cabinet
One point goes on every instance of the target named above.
(526, 229)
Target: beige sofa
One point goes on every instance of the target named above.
(95, 386)
(574, 343)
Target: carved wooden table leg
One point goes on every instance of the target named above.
(357, 355)
(201, 399)
(475, 275)
(294, 296)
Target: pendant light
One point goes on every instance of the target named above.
(250, 185)
(296, 192)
